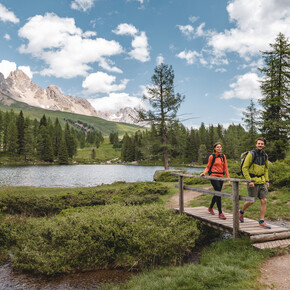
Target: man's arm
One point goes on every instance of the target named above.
(266, 172)
(247, 163)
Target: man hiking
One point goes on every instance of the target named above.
(255, 167)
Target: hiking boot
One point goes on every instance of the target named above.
(222, 216)
(264, 225)
(211, 211)
(241, 216)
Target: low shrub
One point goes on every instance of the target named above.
(44, 204)
(104, 237)
(166, 176)
(279, 174)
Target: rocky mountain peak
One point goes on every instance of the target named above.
(21, 88)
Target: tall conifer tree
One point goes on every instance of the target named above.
(276, 97)
(165, 104)
(20, 132)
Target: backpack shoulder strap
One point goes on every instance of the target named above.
(212, 162)
(254, 155)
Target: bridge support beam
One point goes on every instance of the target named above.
(236, 222)
(181, 199)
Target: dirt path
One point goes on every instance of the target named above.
(188, 195)
(274, 272)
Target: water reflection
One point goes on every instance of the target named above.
(77, 175)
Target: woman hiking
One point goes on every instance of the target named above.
(217, 166)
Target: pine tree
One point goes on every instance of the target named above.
(20, 132)
(12, 138)
(137, 145)
(164, 102)
(57, 136)
(233, 141)
(70, 141)
(99, 139)
(276, 103)
(62, 152)
(190, 146)
(202, 154)
(44, 144)
(1, 126)
(251, 124)
(43, 121)
(6, 122)
(28, 149)
(93, 154)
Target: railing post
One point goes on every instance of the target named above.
(235, 209)
(181, 201)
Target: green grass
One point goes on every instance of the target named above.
(229, 264)
(104, 153)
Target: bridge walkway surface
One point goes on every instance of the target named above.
(261, 238)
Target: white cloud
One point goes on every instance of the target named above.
(159, 59)
(190, 32)
(186, 30)
(64, 47)
(139, 43)
(126, 29)
(192, 19)
(7, 36)
(190, 56)
(140, 48)
(254, 65)
(246, 86)
(221, 69)
(6, 67)
(200, 32)
(82, 5)
(26, 70)
(6, 15)
(257, 24)
(115, 101)
(101, 82)
(107, 65)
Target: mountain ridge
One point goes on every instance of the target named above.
(19, 87)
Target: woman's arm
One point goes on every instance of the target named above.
(226, 167)
(208, 165)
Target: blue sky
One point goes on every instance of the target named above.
(106, 50)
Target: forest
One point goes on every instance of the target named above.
(43, 140)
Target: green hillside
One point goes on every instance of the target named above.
(106, 127)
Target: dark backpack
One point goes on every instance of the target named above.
(243, 157)
(213, 160)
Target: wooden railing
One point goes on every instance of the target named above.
(234, 195)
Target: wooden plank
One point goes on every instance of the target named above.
(272, 245)
(265, 231)
(212, 177)
(207, 191)
(217, 193)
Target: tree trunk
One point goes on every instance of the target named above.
(165, 151)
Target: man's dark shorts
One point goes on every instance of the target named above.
(258, 191)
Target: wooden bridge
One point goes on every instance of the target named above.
(261, 238)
